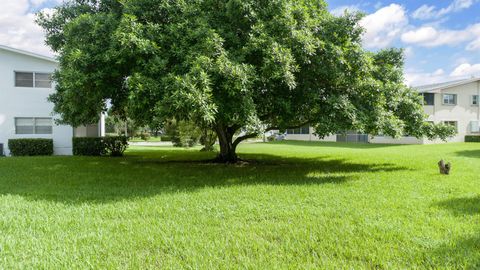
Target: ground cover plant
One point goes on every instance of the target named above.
(295, 205)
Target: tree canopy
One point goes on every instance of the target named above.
(238, 66)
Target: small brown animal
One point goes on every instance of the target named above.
(444, 168)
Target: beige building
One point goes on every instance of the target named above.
(453, 103)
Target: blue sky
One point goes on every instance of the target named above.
(441, 38)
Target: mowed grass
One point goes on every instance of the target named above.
(294, 206)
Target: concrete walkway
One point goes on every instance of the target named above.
(150, 143)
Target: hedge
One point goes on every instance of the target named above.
(98, 146)
(472, 138)
(115, 146)
(88, 146)
(30, 147)
(165, 138)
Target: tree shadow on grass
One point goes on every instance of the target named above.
(462, 206)
(337, 144)
(100, 180)
(469, 153)
(463, 252)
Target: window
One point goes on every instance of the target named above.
(474, 127)
(299, 131)
(475, 100)
(429, 99)
(30, 125)
(451, 123)
(449, 99)
(32, 79)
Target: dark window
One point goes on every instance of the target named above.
(32, 79)
(31, 125)
(24, 79)
(305, 130)
(428, 99)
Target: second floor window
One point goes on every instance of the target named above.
(475, 100)
(33, 79)
(450, 99)
(429, 99)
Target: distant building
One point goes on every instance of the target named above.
(453, 103)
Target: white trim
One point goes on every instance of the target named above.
(444, 87)
(39, 56)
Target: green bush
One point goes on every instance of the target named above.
(115, 146)
(88, 146)
(472, 138)
(31, 147)
(97, 146)
(145, 136)
(183, 133)
(165, 138)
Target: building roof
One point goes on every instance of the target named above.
(430, 88)
(31, 54)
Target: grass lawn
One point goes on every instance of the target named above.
(300, 206)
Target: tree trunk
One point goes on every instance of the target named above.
(227, 147)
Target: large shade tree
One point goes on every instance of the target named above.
(240, 67)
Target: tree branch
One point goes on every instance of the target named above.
(244, 137)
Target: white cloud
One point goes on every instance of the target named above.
(384, 26)
(474, 45)
(339, 11)
(409, 52)
(429, 36)
(462, 71)
(416, 78)
(18, 28)
(455, 6)
(465, 70)
(426, 12)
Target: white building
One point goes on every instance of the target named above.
(453, 103)
(25, 84)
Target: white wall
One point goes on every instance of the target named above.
(27, 102)
(463, 112)
(310, 137)
(390, 140)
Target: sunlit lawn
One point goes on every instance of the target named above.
(297, 206)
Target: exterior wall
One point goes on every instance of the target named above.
(27, 102)
(463, 113)
(310, 137)
(390, 140)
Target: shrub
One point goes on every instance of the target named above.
(145, 136)
(88, 146)
(472, 138)
(115, 146)
(208, 140)
(165, 138)
(96, 146)
(183, 133)
(31, 147)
